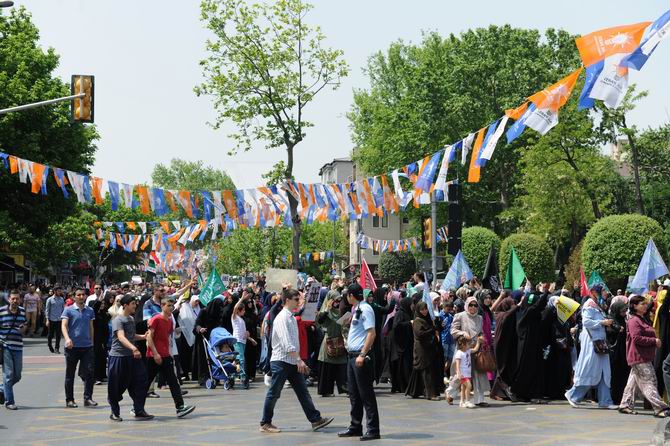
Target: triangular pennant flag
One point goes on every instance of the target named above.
(651, 267)
(515, 273)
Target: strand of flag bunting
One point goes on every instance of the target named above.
(607, 55)
(407, 244)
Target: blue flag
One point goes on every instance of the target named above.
(459, 273)
(592, 73)
(651, 267)
(425, 180)
(520, 125)
(426, 298)
(657, 31)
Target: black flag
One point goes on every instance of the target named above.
(491, 279)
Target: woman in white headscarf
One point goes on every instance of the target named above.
(468, 323)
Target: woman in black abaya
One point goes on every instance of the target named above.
(616, 338)
(208, 319)
(402, 344)
(422, 380)
(505, 345)
(558, 364)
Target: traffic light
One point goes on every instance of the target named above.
(455, 224)
(426, 233)
(82, 108)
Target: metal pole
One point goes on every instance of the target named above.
(41, 103)
(433, 237)
(334, 244)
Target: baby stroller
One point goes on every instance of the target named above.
(221, 359)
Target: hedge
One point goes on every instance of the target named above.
(535, 256)
(614, 245)
(396, 266)
(476, 244)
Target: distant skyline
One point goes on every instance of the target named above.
(145, 57)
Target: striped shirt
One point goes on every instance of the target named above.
(10, 331)
(285, 338)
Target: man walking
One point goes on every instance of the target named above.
(360, 373)
(12, 328)
(158, 354)
(31, 303)
(77, 326)
(126, 370)
(52, 315)
(286, 364)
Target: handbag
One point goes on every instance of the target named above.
(600, 346)
(335, 347)
(484, 360)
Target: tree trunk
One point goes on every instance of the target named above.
(636, 167)
(293, 206)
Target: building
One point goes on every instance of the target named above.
(388, 227)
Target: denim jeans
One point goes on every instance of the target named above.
(577, 393)
(282, 371)
(11, 372)
(240, 349)
(84, 357)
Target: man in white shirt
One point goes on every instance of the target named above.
(286, 364)
(97, 295)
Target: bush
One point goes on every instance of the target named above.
(535, 256)
(572, 268)
(614, 245)
(476, 244)
(396, 266)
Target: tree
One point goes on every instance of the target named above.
(476, 244)
(190, 175)
(396, 267)
(534, 254)
(45, 135)
(614, 245)
(424, 96)
(265, 66)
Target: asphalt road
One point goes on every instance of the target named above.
(231, 417)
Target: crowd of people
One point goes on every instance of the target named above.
(469, 345)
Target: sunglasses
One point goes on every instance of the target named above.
(472, 305)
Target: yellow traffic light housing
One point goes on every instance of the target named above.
(426, 233)
(82, 108)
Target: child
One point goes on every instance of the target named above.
(462, 358)
(242, 335)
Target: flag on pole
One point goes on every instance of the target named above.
(596, 279)
(426, 298)
(491, 277)
(583, 286)
(658, 31)
(515, 273)
(366, 280)
(459, 273)
(212, 288)
(651, 267)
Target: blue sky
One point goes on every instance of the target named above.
(145, 57)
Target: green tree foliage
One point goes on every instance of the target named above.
(44, 134)
(70, 240)
(534, 254)
(396, 266)
(265, 65)
(614, 245)
(190, 175)
(572, 268)
(424, 96)
(476, 244)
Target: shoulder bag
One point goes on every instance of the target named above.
(335, 347)
(484, 359)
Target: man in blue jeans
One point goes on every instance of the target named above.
(12, 329)
(286, 364)
(77, 326)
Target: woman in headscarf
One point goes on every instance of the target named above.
(662, 328)
(505, 345)
(484, 300)
(422, 380)
(332, 358)
(616, 338)
(402, 344)
(558, 362)
(469, 324)
(252, 348)
(101, 334)
(385, 334)
(379, 304)
(208, 319)
(227, 312)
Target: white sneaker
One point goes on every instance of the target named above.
(267, 379)
(572, 403)
(610, 407)
(469, 405)
(461, 405)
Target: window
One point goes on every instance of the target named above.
(405, 220)
(375, 221)
(385, 220)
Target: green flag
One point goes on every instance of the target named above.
(212, 288)
(595, 279)
(515, 273)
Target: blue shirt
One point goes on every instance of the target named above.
(79, 325)
(150, 309)
(363, 319)
(445, 332)
(10, 332)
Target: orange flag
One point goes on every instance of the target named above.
(601, 44)
(96, 189)
(475, 171)
(38, 177)
(143, 193)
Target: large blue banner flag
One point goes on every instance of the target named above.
(651, 267)
(459, 273)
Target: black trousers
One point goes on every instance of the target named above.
(166, 368)
(54, 329)
(126, 373)
(84, 357)
(362, 395)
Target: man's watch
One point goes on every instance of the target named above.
(362, 355)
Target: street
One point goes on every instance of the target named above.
(231, 417)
